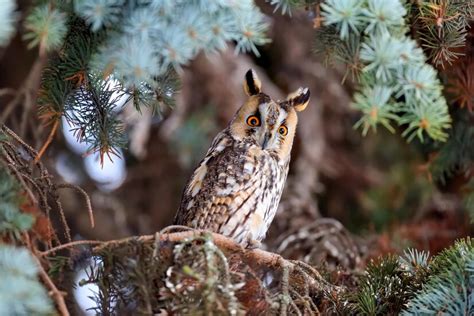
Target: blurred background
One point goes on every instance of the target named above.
(379, 187)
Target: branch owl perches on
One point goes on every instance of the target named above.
(236, 188)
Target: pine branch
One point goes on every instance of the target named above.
(287, 5)
(136, 59)
(46, 28)
(384, 288)
(451, 284)
(396, 85)
(442, 27)
(22, 293)
(92, 111)
(12, 221)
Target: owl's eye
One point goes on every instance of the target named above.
(283, 130)
(253, 120)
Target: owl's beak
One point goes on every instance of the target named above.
(266, 139)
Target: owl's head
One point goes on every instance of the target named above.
(270, 124)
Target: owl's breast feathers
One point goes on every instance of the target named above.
(235, 190)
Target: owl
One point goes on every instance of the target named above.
(236, 188)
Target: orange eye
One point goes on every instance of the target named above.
(253, 121)
(283, 130)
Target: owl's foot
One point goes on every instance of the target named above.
(253, 244)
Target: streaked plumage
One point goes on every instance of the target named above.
(236, 188)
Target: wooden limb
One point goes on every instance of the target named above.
(254, 258)
(257, 256)
(295, 275)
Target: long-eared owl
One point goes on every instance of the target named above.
(236, 188)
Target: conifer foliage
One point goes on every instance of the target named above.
(397, 84)
(110, 52)
(12, 220)
(22, 293)
(450, 287)
(7, 17)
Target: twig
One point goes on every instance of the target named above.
(6, 91)
(18, 139)
(86, 198)
(40, 188)
(29, 87)
(285, 295)
(48, 141)
(69, 245)
(57, 295)
(62, 215)
(19, 177)
(10, 106)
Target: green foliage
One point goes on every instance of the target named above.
(46, 28)
(286, 5)
(450, 287)
(12, 220)
(414, 261)
(92, 111)
(170, 33)
(377, 106)
(99, 13)
(396, 85)
(92, 105)
(346, 15)
(414, 284)
(68, 70)
(442, 27)
(135, 48)
(8, 19)
(385, 286)
(21, 292)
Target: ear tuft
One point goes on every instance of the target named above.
(252, 84)
(299, 99)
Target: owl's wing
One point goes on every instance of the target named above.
(223, 188)
(218, 146)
